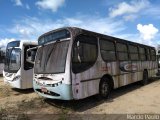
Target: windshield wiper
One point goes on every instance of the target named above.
(49, 55)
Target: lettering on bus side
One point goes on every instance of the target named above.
(128, 67)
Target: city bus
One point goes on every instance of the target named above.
(2, 57)
(18, 73)
(72, 63)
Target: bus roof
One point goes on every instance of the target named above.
(24, 42)
(83, 31)
(29, 42)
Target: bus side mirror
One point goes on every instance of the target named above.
(29, 57)
(31, 53)
(28, 54)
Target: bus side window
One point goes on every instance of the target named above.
(122, 51)
(84, 53)
(133, 51)
(107, 50)
(142, 54)
(153, 54)
(148, 54)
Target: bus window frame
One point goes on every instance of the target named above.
(122, 51)
(114, 43)
(97, 52)
(130, 53)
(153, 54)
(14, 71)
(25, 56)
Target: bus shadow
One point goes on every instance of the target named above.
(93, 101)
(23, 91)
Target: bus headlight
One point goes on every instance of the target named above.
(16, 78)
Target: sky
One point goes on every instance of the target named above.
(133, 20)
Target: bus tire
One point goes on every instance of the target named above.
(145, 78)
(104, 88)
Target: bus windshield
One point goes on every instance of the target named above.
(2, 56)
(51, 58)
(13, 60)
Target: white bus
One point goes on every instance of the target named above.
(73, 63)
(17, 71)
(2, 57)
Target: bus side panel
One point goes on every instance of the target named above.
(134, 71)
(150, 66)
(139, 71)
(115, 72)
(154, 68)
(27, 78)
(86, 83)
(26, 75)
(149, 69)
(1, 68)
(124, 74)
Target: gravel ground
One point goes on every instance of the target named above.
(131, 99)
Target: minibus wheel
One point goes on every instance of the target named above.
(104, 88)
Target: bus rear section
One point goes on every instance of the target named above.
(18, 73)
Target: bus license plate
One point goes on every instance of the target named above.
(44, 90)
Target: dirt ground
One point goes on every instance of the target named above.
(131, 99)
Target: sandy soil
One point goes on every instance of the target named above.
(131, 99)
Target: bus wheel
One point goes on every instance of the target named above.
(145, 78)
(104, 88)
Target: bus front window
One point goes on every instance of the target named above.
(51, 58)
(13, 60)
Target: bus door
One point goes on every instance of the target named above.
(84, 66)
(27, 71)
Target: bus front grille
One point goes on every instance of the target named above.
(48, 92)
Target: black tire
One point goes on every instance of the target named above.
(104, 88)
(145, 78)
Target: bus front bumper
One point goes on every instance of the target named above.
(61, 91)
(14, 84)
